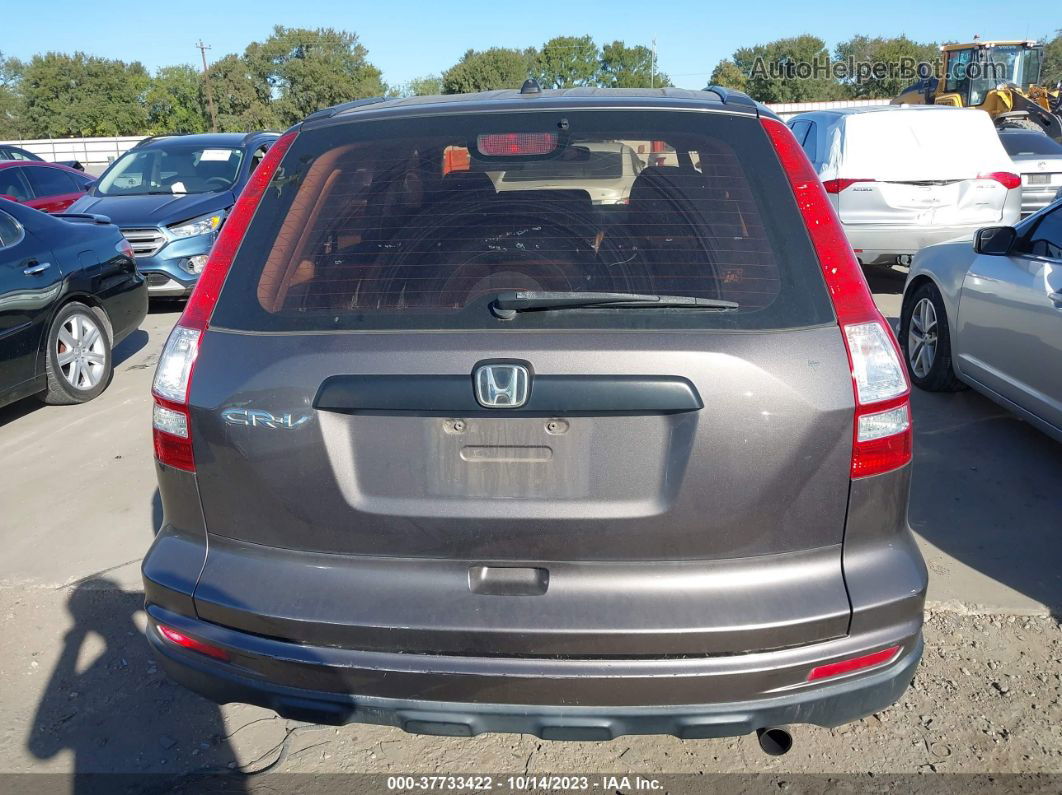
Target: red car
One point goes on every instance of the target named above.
(49, 187)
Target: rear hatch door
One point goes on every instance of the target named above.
(668, 481)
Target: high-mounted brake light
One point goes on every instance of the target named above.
(1007, 179)
(502, 144)
(855, 664)
(185, 642)
(838, 185)
(881, 432)
(171, 421)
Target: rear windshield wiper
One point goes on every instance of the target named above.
(506, 305)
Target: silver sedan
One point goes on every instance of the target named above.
(989, 316)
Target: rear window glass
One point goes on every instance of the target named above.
(406, 223)
(1030, 143)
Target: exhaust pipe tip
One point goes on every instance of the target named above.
(774, 740)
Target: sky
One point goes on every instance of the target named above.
(409, 39)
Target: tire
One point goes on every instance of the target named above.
(1021, 124)
(78, 361)
(926, 340)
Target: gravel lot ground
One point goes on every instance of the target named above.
(81, 693)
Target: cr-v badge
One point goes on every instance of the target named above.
(256, 418)
(502, 386)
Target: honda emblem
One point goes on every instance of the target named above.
(502, 386)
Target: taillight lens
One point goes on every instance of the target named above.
(171, 421)
(876, 364)
(881, 433)
(171, 424)
(1005, 178)
(185, 642)
(838, 185)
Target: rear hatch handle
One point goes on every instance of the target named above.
(550, 395)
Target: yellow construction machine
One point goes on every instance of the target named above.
(1001, 78)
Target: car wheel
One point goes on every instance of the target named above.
(1021, 124)
(926, 340)
(79, 356)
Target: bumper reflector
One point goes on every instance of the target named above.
(854, 664)
(185, 642)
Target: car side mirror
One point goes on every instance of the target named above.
(995, 240)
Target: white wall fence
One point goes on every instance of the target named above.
(95, 154)
(787, 109)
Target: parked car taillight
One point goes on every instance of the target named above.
(171, 421)
(838, 185)
(881, 433)
(1004, 178)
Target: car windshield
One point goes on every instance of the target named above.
(173, 169)
(1030, 143)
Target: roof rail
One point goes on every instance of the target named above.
(727, 95)
(327, 113)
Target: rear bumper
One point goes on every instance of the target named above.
(881, 244)
(487, 685)
(1036, 197)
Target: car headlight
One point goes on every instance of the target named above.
(198, 226)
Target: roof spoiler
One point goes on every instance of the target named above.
(730, 96)
(327, 113)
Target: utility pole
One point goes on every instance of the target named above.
(209, 90)
(652, 78)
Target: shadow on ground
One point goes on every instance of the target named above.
(113, 708)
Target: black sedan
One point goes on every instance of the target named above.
(69, 292)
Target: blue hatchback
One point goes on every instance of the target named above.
(169, 195)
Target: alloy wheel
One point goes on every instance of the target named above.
(922, 338)
(80, 352)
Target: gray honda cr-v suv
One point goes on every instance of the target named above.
(460, 459)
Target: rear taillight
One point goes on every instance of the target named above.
(1005, 178)
(171, 425)
(171, 421)
(881, 433)
(838, 185)
(872, 660)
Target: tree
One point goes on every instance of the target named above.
(242, 98)
(568, 61)
(488, 70)
(81, 95)
(174, 101)
(629, 67)
(422, 86)
(881, 64)
(1051, 72)
(795, 69)
(729, 75)
(312, 69)
(10, 119)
